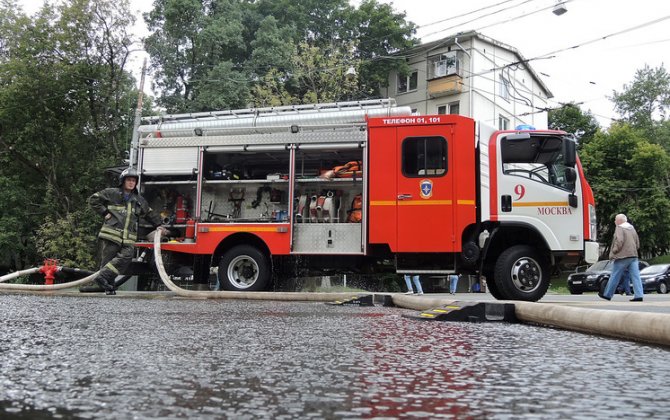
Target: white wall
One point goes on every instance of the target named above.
(525, 101)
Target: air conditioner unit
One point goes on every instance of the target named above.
(560, 8)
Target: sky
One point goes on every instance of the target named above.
(614, 38)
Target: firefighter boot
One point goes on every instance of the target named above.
(109, 289)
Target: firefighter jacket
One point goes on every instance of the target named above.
(121, 227)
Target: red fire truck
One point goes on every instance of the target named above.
(365, 185)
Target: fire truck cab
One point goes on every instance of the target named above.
(357, 186)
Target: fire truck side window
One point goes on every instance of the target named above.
(424, 157)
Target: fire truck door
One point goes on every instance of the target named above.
(425, 180)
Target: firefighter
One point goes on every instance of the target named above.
(121, 208)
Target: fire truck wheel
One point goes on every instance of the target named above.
(244, 268)
(521, 274)
(492, 287)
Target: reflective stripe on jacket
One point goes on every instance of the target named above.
(121, 228)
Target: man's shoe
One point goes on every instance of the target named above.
(409, 293)
(601, 296)
(420, 293)
(110, 292)
(636, 300)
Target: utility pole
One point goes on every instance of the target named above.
(135, 142)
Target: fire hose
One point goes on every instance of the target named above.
(40, 287)
(284, 296)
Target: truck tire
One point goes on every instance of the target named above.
(492, 287)
(244, 268)
(521, 274)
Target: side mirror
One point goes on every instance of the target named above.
(570, 175)
(569, 152)
(572, 201)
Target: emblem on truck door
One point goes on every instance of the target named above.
(426, 187)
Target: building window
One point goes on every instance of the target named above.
(408, 83)
(503, 123)
(444, 65)
(504, 87)
(424, 156)
(455, 108)
(452, 108)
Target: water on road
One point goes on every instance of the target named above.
(97, 357)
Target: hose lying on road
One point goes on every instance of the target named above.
(295, 296)
(39, 287)
(287, 296)
(17, 274)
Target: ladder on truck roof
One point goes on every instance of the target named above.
(267, 111)
(269, 119)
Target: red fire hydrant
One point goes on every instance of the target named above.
(49, 270)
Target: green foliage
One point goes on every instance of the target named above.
(379, 31)
(189, 45)
(70, 239)
(571, 119)
(661, 259)
(65, 102)
(225, 54)
(646, 100)
(627, 166)
(629, 175)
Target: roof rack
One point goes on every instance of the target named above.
(270, 111)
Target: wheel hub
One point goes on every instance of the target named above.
(526, 274)
(243, 272)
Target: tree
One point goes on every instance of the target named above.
(190, 41)
(629, 175)
(646, 99)
(378, 32)
(271, 51)
(65, 102)
(571, 119)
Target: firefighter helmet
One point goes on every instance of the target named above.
(128, 172)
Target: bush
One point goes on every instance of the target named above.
(71, 239)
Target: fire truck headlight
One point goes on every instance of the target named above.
(593, 223)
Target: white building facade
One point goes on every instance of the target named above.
(472, 75)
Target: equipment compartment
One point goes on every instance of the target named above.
(328, 199)
(342, 238)
(244, 186)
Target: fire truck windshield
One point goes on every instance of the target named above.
(539, 158)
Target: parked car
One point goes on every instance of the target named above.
(656, 278)
(594, 278)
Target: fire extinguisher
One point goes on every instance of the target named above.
(189, 236)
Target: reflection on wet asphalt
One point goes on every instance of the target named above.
(73, 357)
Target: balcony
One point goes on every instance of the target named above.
(445, 86)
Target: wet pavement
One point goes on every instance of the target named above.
(97, 357)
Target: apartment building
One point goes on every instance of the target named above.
(473, 75)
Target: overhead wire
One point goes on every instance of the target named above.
(491, 14)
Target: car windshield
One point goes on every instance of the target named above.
(600, 266)
(654, 269)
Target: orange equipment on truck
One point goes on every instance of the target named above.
(433, 195)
